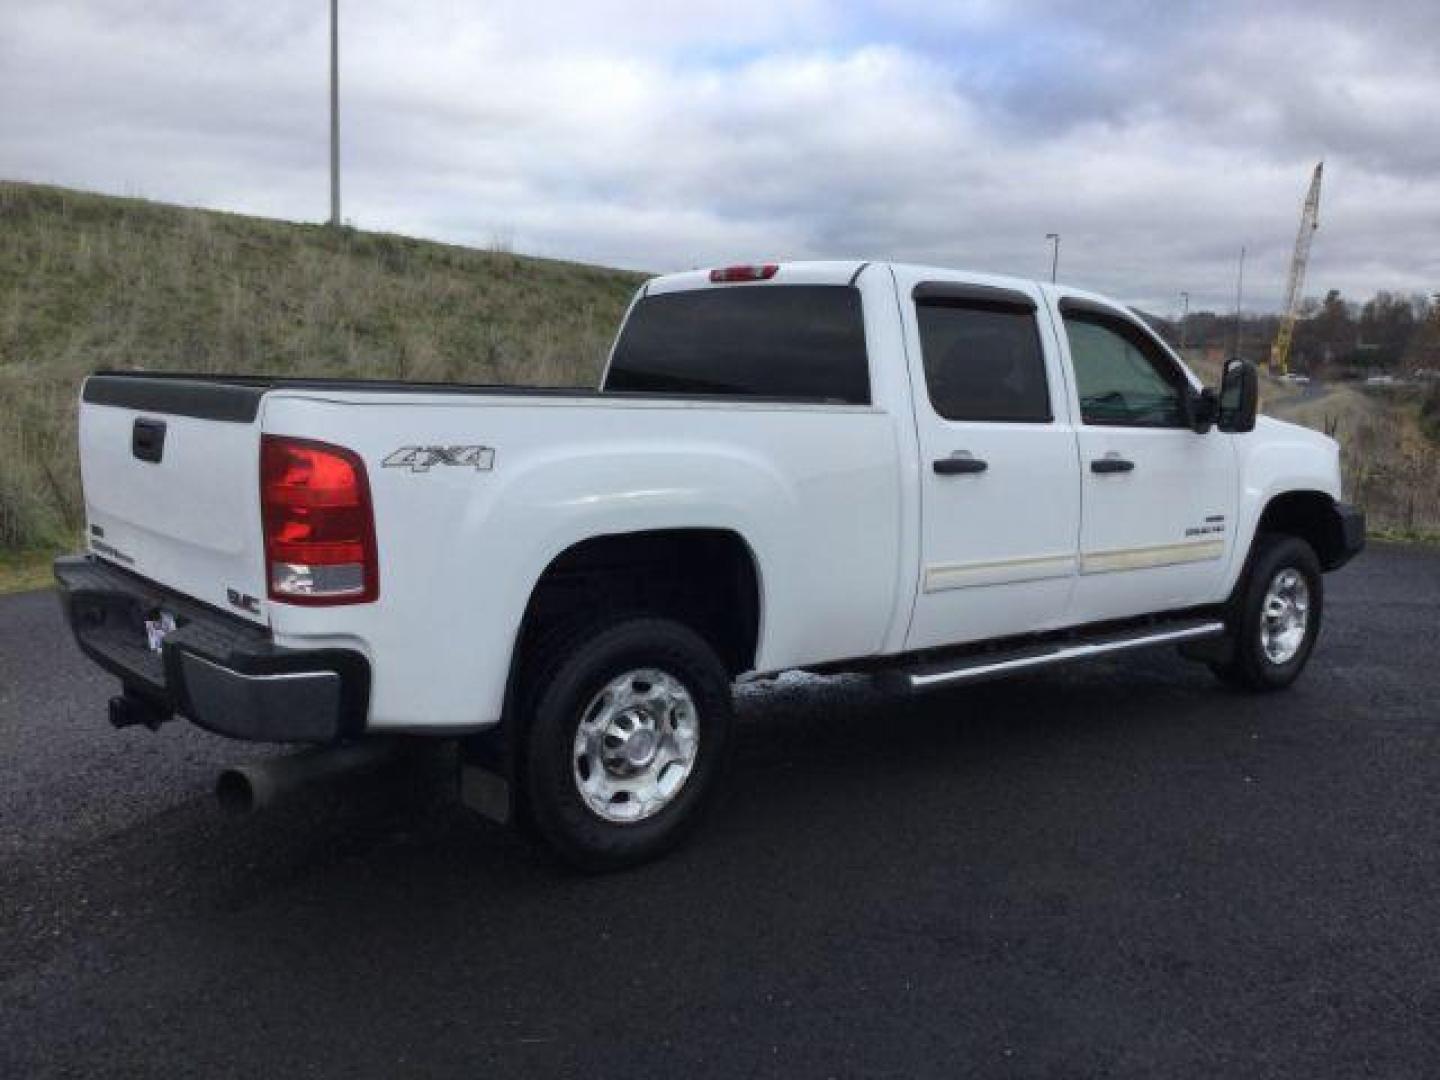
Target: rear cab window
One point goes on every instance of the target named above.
(750, 342)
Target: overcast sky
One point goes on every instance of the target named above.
(1156, 138)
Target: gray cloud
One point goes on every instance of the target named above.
(1156, 139)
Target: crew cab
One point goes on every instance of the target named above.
(932, 475)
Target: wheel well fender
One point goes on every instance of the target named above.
(1310, 515)
(706, 578)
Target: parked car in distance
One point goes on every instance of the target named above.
(931, 475)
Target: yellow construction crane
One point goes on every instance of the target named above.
(1309, 222)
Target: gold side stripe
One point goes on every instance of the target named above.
(1103, 562)
(945, 576)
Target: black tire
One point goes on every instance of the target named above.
(1250, 667)
(563, 685)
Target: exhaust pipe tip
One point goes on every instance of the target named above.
(242, 789)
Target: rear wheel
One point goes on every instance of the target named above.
(629, 730)
(1276, 618)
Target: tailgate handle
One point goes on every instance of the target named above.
(147, 441)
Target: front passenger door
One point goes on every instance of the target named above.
(1157, 500)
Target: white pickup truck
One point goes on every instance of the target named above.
(834, 466)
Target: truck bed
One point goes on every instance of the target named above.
(184, 510)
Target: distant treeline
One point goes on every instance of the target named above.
(1388, 333)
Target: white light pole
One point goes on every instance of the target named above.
(334, 115)
(1184, 317)
(1054, 238)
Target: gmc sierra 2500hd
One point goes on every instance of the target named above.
(937, 475)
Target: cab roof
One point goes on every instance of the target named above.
(820, 272)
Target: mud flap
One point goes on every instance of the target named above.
(486, 792)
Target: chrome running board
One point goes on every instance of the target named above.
(993, 664)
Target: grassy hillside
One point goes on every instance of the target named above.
(89, 281)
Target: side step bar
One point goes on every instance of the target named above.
(994, 664)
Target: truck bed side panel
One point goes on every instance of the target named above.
(812, 489)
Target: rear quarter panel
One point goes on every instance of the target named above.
(812, 489)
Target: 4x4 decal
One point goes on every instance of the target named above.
(423, 458)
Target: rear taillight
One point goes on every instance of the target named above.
(728, 274)
(319, 527)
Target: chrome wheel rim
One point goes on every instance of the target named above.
(635, 745)
(1284, 616)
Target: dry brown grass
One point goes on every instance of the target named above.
(1390, 465)
(21, 571)
(89, 282)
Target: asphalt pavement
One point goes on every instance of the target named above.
(1118, 869)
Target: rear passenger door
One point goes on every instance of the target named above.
(1000, 481)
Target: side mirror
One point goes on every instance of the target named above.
(1239, 396)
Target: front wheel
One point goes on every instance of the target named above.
(1276, 618)
(629, 729)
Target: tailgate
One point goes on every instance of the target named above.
(171, 474)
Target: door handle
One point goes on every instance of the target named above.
(953, 466)
(1112, 465)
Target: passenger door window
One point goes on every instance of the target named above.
(983, 362)
(1124, 379)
